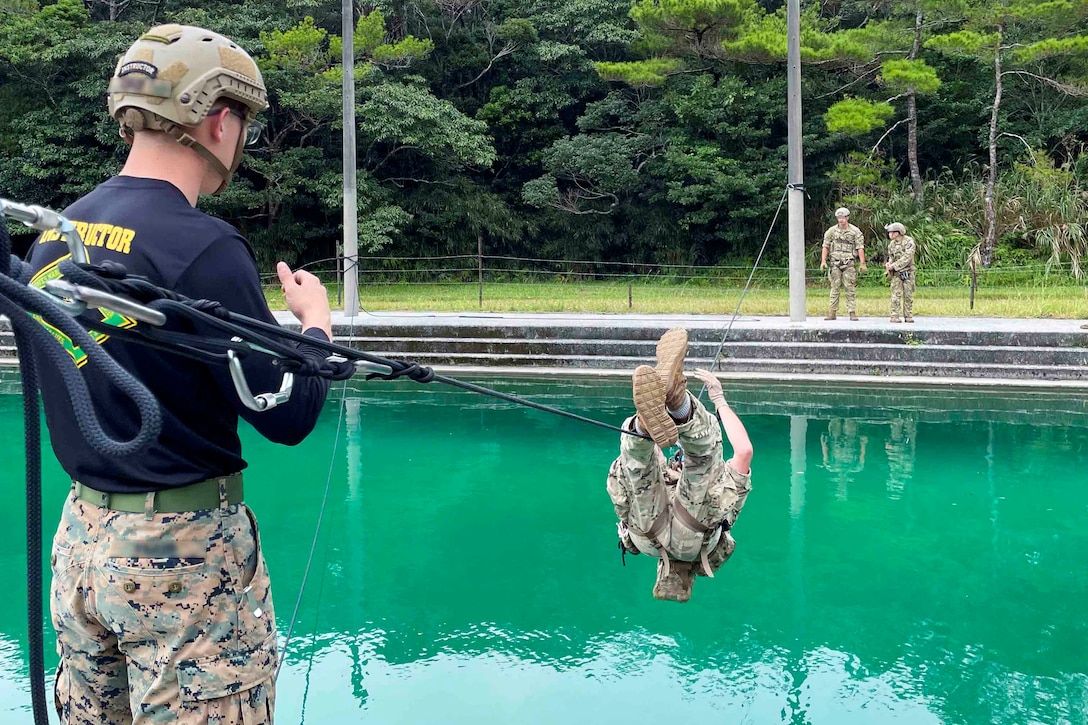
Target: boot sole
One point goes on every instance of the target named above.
(672, 348)
(649, 394)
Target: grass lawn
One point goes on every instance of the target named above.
(1041, 301)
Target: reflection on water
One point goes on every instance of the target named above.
(844, 453)
(913, 563)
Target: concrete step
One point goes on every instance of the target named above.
(762, 365)
(898, 335)
(625, 354)
(480, 342)
(1010, 355)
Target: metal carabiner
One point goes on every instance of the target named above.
(264, 401)
(44, 220)
(362, 366)
(74, 308)
(90, 297)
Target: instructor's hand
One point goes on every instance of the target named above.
(864, 268)
(713, 385)
(823, 264)
(306, 297)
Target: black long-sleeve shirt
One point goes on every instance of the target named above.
(148, 226)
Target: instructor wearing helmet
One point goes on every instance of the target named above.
(842, 243)
(160, 597)
(899, 270)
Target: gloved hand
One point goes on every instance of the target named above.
(713, 385)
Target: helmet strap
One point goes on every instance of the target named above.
(179, 134)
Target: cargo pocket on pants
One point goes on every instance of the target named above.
(256, 614)
(232, 688)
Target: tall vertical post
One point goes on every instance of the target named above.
(351, 223)
(798, 463)
(480, 265)
(796, 194)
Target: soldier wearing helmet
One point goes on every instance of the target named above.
(900, 272)
(680, 513)
(160, 597)
(842, 243)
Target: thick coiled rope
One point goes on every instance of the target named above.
(35, 345)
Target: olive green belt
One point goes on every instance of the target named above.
(194, 497)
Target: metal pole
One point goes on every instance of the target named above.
(796, 199)
(480, 264)
(798, 463)
(351, 229)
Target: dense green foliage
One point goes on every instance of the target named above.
(644, 130)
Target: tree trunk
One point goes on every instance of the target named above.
(912, 118)
(990, 241)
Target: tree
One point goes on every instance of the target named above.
(1032, 40)
(907, 77)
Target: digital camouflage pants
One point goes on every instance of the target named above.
(845, 276)
(162, 618)
(902, 295)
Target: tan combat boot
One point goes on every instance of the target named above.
(894, 319)
(853, 317)
(648, 390)
(908, 319)
(830, 316)
(672, 348)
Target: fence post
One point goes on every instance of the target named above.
(480, 264)
(629, 302)
(339, 276)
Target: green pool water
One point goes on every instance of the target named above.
(905, 556)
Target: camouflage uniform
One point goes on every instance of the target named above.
(900, 448)
(844, 453)
(709, 489)
(162, 618)
(901, 255)
(843, 246)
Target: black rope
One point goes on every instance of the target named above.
(269, 338)
(35, 627)
(19, 303)
(34, 345)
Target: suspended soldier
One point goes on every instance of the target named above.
(160, 598)
(680, 512)
(899, 269)
(842, 244)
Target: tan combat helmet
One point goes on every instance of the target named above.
(896, 227)
(171, 77)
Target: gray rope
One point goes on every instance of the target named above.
(744, 292)
(317, 526)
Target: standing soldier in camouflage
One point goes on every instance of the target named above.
(900, 269)
(842, 243)
(160, 597)
(681, 513)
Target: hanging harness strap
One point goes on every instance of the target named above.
(656, 527)
(685, 517)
